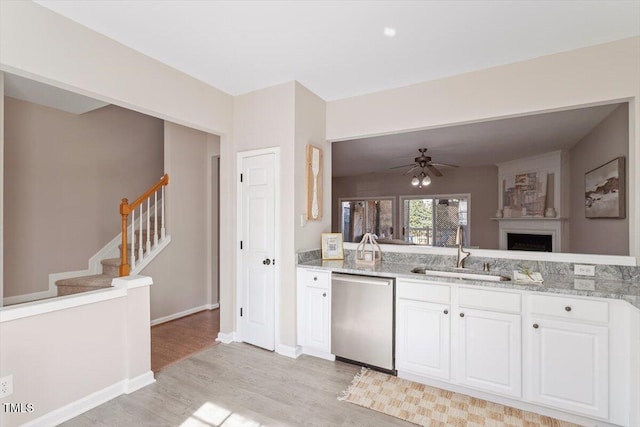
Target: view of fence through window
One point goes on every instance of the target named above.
(433, 221)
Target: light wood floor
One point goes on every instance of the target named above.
(240, 385)
(180, 338)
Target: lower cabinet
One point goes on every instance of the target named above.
(314, 312)
(569, 366)
(488, 351)
(422, 340)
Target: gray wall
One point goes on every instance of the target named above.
(65, 175)
(608, 140)
(480, 182)
(181, 272)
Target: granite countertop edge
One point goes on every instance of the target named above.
(553, 284)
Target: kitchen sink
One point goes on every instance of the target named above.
(461, 273)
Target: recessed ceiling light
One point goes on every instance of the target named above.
(389, 32)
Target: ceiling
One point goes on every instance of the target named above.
(337, 48)
(477, 144)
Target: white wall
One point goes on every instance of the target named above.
(59, 357)
(1, 183)
(288, 116)
(592, 75)
(264, 119)
(310, 125)
(41, 45)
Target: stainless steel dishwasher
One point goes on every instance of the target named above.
(362, 319)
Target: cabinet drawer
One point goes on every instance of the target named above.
(570, 308)
(314, 277)
(490, 300)
(423, 291)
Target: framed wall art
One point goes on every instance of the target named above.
(314, 183)
(332, 247)
(604, 190)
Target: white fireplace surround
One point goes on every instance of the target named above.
(553, 227)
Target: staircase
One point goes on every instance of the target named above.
(147, 234)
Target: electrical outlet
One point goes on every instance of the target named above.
(6, 386)
(584, 270)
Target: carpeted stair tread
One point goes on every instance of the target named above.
(95, 281)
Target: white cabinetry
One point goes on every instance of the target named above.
(569, 354)
(488, 349)
(422, 341)
(423, 328)
(314, 312)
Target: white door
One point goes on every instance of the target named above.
(570, 366)
(257, 254)
(422, 338)
(489, 351)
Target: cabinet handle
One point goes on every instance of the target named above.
(315, 277)
(446, 312)
(461, 314)
(535, 326)
(567, 308)
(324, 294)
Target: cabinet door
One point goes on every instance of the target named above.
(316, 322)
(422, 338)
(569, 364)
(489, 351)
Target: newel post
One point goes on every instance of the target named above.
(125, 210)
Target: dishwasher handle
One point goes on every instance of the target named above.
(360, 280)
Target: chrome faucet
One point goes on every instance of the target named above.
(461, 258)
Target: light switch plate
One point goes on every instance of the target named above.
(584, 270)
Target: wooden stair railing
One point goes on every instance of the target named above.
(126, 263)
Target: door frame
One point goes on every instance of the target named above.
(239, 294)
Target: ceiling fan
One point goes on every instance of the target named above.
(424, 161)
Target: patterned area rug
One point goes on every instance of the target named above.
(434, 407)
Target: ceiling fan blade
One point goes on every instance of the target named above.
(445, 164)
(403, 166)
(434, 170)
(411, 169)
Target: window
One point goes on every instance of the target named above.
(359, 216)
(434, 220)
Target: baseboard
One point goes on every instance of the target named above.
(183, 313)
(80, 406)
(289, 351)
(318, 353)
(139, 382)
(226, 337)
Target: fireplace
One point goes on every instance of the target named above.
(529, 242)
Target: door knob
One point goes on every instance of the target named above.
(535, 326)
(461, 314)
(267, 261)
(446, 312)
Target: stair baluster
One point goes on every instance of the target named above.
(127, 209)
(140, 250)
(155, 219)
(148, 227)
(162, 217)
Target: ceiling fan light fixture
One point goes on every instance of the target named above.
(415, 181)
(426, 180)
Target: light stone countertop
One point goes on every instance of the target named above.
(553, 283)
